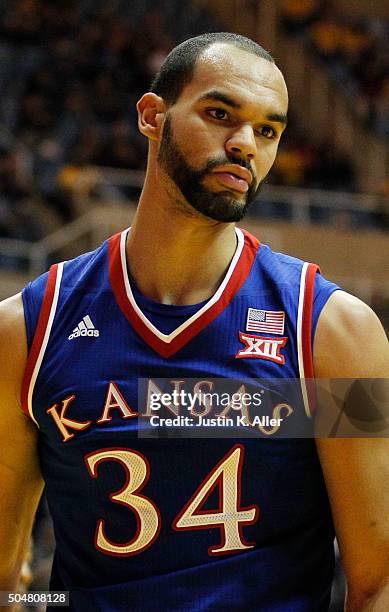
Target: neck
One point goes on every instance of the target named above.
(176, 257)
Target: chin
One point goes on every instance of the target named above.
(227, 212)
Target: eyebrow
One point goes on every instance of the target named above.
(278, 118)
(220, 97)
(214, 94)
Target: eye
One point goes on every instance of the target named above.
(218, 113)
(267, 131)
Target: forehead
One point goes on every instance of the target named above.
(250, 78)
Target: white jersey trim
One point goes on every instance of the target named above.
(46, 337)
(167, 338)
(300, 354)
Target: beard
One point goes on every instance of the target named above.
(220, 206)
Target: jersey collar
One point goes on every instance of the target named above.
(168, 344)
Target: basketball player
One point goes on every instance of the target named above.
(147, 524)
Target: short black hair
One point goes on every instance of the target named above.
(178, 67)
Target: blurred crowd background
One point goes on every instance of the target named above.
(71, 73)
(355, 51)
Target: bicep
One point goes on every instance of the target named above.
(356, 472)
(20, 479)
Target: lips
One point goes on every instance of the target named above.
(232, 181)
(237, 171)
(235, 177)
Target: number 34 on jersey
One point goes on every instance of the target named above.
(230, 517)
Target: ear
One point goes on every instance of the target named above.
(151, 112)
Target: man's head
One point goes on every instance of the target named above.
(214, 118)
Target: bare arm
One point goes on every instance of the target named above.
(20, 480)
(351, 343)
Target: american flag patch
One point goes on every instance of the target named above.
(268, 321)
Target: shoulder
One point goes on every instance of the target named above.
(83, 268)
(350, 340)
(281, 259)
(280, 268)
(13, 357)
(286, 268)
(80, 273)
(298, 277)
(12, 332)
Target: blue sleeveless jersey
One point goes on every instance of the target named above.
(159, 524)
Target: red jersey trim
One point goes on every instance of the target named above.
(36, 349)
(168, 345)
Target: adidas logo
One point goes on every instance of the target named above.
(85, 328)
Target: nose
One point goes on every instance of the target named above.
(242, 142)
